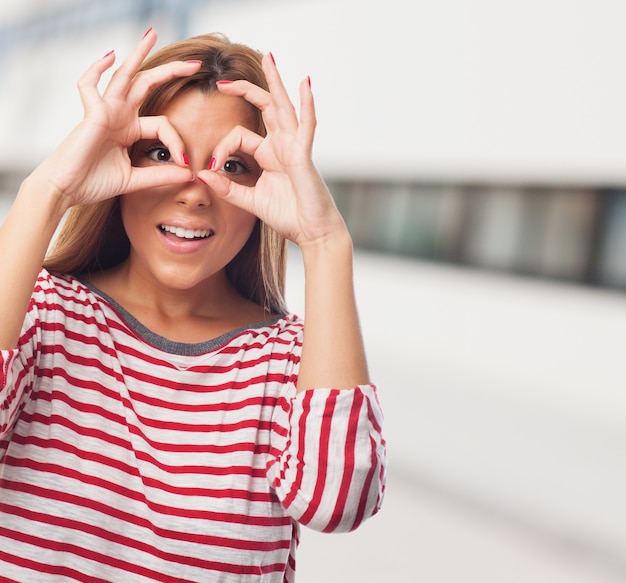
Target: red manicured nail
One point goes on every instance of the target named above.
(223, 82)
(108, 54)
(200, 178)
(194, 62)
(309, 81)
(273, 59)
(212, 163)
(147, 32)
(185, 159)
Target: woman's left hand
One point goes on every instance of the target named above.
(290, 195)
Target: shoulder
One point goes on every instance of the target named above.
(288, 324)
(61, 305)
(284, 333)
(63, 290)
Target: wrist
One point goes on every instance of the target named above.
(337, 243)
(44, 196)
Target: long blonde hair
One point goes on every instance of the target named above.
(92, 237)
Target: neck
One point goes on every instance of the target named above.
(194, 314)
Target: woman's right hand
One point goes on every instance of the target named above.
(92, 163)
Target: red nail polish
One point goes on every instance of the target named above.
(185, 159)
(200, 178)
(309, 81)
(108, 54)
(212, 163)
(273, 59)
(224, 82)
(147, 32)
(194, 62)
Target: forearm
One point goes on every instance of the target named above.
(333, 355)
(24, 239)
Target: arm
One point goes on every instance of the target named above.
(293, 199)
(91, 164)
(31, 223)
(329, 464)
(333, 355)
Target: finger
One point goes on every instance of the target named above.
(159, 127)
(234, 193)
(145, 81)
(155, 176)
(275, 82)
(276, 106)
(285, 110)
(238, 140)
(308, 119)
(254, 95)
(88, 83)
(121, 79)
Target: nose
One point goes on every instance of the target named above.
(194, 194)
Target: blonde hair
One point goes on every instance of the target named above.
(92, 237)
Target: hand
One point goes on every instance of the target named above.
(92, 163)
(290, 195)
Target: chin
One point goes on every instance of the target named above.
(180, 278)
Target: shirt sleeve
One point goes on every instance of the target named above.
(19, 365)
(330, 472)
(10, 392)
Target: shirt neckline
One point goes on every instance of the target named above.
(170, 346)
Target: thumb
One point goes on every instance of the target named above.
(154, 176)
(228, 190)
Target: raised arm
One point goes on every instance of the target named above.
(333, 355)
(91, 165)
(292, 198)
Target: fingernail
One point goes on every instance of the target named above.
(223, 82)
(273, 59)
(185, 159)
(147, 32)
(108, 54)
(309, 81)
(212, 163)
(200, 178)
(194, 62)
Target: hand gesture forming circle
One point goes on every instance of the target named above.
(92, 163)
(290, 195)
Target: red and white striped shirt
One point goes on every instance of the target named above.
(127, 457)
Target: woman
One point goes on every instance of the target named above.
(162, 416)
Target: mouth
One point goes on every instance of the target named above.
(188, 234)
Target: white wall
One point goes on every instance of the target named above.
(510, 90)
(528, 90)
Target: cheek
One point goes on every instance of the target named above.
(127, 212)
(242, 227)
(130, 210)
(243, 223)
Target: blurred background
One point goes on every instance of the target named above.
(476, 150)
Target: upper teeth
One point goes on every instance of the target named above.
(185, 233)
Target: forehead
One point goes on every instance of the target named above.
(202, 109)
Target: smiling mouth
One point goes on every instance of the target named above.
(186, 233)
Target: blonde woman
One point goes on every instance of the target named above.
(163, 416)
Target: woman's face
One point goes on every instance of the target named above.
(181, 235)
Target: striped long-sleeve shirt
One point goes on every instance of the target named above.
(127, 457)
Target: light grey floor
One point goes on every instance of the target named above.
(421, 536)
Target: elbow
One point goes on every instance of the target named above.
(346, 498)
(361, 499)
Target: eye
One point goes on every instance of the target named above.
(158, 153)
(236, 167)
